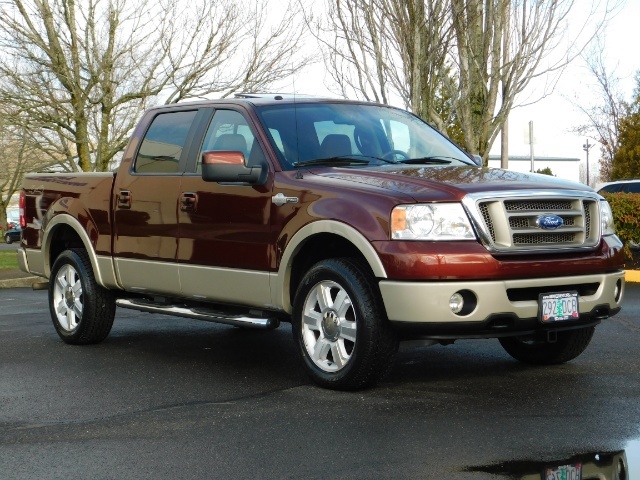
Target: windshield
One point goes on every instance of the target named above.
(343, 134)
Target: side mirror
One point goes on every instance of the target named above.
(229, 167)
(477, 159)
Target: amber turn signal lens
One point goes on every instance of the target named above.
(398, 220)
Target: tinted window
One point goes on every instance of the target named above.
(610, 188)
(633, 187)
(162, 146)
(304, 132)
(230, 131)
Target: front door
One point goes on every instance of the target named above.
(224, 249)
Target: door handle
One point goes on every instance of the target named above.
(188, 201)
(280, 199)
(124, 199)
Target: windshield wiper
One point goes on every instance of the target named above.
(333, 161)
(436, 160)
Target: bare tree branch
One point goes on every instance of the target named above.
(464, 62)
(82, 72)
(602, 118)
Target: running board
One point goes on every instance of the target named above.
(208, 315)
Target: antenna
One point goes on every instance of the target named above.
(295, 114)
(293, 81)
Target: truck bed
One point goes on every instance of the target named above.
(83, 196)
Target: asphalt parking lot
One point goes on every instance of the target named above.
(168, 398)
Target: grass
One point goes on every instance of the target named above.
(8, 260)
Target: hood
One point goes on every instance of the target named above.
(445, 183)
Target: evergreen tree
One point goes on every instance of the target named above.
(626, 162)
(545, 171)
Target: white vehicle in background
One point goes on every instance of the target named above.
(621, 186)
(13, 218)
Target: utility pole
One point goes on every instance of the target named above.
(586, 147)
(504, 133)
(531, 145)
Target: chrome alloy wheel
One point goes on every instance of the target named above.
(329, 326)
(67, 298)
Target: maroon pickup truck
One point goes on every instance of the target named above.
(358, 223)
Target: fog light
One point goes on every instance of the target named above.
(617, 293)
(456, 303)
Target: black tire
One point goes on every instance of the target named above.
(81, 310)
(352, 326)
(569, 344)
(7, 239)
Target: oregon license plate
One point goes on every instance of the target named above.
(558, 307)
(564, 472)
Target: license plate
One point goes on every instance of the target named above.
(564, 472)
(558, 307)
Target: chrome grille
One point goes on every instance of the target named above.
(523, 222)
(512, 223)
(536, 205)
(519, 222)
(484, 209)
(524, 239)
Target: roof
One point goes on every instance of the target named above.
(259, 99)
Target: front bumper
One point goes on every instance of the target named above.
(500, 305)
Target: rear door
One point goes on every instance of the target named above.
(146, 197)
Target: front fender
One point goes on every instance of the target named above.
(280, 281)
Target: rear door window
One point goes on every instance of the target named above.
(164, 144)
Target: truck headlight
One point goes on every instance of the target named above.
(434, 221)
(606, 219)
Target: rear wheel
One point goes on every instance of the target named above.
(7, 238)
(569, 344)
(82, 311)
(340, 328)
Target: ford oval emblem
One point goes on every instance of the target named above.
(549, 222)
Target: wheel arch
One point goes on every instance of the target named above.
(312, 243)
(64, 232)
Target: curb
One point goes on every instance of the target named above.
(24, 282)
(632, 275)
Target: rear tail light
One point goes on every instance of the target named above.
(23, 218)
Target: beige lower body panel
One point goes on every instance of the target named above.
(212, 284)
(148, 276)
(226, 285)
(31, 261)
(106, 273)
(428, 302)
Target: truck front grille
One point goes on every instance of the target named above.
(533, 238)
(512, 224)
(536, 205)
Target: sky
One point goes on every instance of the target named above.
(554, 116)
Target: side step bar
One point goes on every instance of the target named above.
(208, 315)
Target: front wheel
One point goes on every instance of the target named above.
(7, 239)
(340, 327)
(569, 344)
(82, 311)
